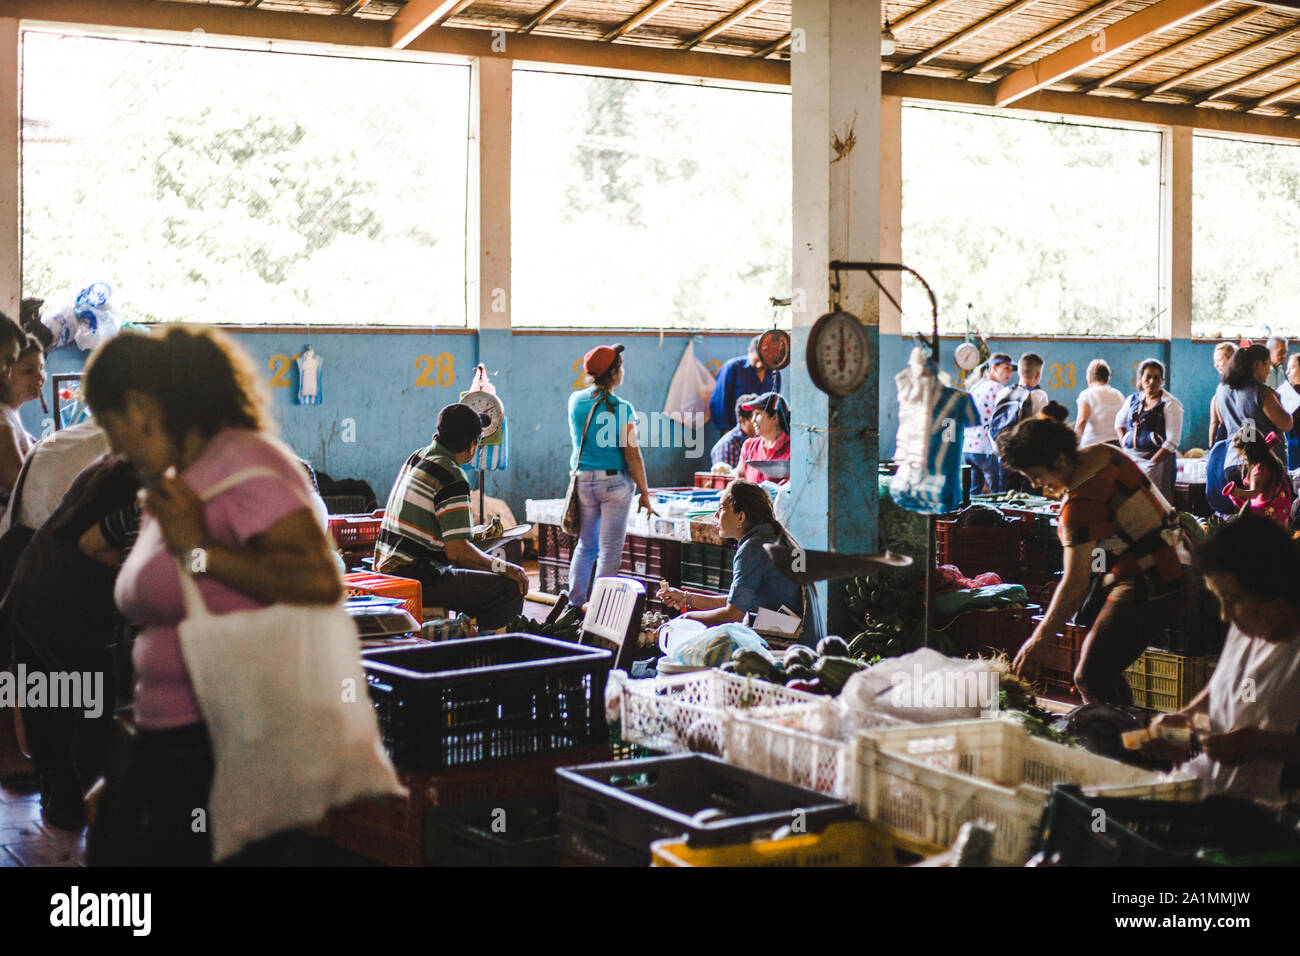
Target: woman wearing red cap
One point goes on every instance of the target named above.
(609, 466)
(772, 443)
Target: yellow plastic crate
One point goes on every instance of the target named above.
(1165, 681)
(841, 844)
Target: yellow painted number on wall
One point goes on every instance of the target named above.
(435, 371)
(581, 380)
(960, 374)
(714, 367)
(1062, 376)
(279, 366)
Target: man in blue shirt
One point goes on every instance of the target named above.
(736, 377)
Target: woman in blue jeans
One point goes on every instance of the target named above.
(610, 468)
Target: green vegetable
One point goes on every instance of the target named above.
(832, 647)
(834, 672)
(753, 664)
(799, 654)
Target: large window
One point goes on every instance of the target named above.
(1246, 215)
(648, 204)
(1041, 228)
(244, 187)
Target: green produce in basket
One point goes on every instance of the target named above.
(753, 664)
(832, 646)
(834, 672)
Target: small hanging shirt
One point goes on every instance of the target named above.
(932, 419)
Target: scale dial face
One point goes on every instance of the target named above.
(487, 404)
(774, 349)
(839, 353)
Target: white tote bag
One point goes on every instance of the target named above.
(284, 697)
(689, 391)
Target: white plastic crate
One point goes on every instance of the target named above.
(928, 780)
(688, 712)
(544, 511)
(662, 526)
(803, 744)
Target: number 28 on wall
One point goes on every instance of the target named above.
(439, 370)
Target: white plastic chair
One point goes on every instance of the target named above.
(613, 618)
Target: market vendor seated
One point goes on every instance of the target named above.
(771, 418)
(1252, 702)
(745, 514)
(428, 529)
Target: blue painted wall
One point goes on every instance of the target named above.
(371, 397)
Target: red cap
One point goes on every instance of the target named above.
(599, 359)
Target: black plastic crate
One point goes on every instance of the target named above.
(1217, 831)
(554, 543)
(552, 576)
(610, 813)
(461, 703)
(497, 833)
(656, 558)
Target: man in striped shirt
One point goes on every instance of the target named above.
(428, 529)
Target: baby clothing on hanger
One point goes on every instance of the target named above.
(932, 421)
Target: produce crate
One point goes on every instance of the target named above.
(707, 479)
(356, 532)
(1217, 831)
(707, 566)
(1164, 681)
(652, 559)
(978, 549)
(1060, 660)
(386, 585)
(687, 712)
(610, 813)
(554, 544)
(981, 632)
(928, 780)
(392, 830)
(858, 843)
(342, 505)
(1196, 629)
(552, 576)
(461, 703)
(522, 832)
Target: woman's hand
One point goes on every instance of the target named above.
(179, 512)
(1236, 746)
(671, 596)
(1027, 654)
(643, 499)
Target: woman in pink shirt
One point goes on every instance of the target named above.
(187, 410)
(772, 443)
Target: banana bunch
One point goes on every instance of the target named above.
(892, 614)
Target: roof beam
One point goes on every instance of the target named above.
(1137, 66)
(771, 48)
(551, 10)
(993, 19)
(627, 26)
(1245, 81)
(920, 13)
(353, 7)
(1218, 63)
(1044, 38)
(726, 23)
(418, 16)
(1115, 39)
(1277, 97)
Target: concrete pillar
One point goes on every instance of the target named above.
(1176, 259)
(11, 266)
(891, 209)
(835, 79)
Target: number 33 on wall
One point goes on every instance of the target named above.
(434, 370)
(1060, 376)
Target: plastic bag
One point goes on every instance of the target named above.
(924, 687)
(716, 645)
(97, 318)
(690, 389)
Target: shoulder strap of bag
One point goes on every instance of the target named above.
(238, 478)
(582, 442)
(16, 499)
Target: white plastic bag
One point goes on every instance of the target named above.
(689, 391)
(97, 318)
(924, 687)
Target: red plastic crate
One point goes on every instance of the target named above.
(998, 629)
(356, 532)
(653, 558)
(554, 543)
(1060, 659)
(391, 829)
(389, 586)
(707, 479)
(978, 549)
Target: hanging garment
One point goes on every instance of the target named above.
(309, 377)
(932, 422)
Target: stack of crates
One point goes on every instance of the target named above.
(1164, 681)
(648, 560)
(1059, 660)
(707, 567)
(554, 552)
(975, 549)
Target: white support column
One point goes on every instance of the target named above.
(11, 266)
(891, 208)
(1176, 233)
(835, 80)
(489, 211)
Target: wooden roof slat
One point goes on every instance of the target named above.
(628, 26)
(1242, 82)
(1112, 41)
(549, 11)
(1138, 66)
(725, 23)
(1275, 97)
(920, 13)
(1042, 39)
(1218, 63)
(419, 15)
(956, 39)
(353, 7)
(771, 48)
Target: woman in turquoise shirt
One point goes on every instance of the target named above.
(609, 467)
